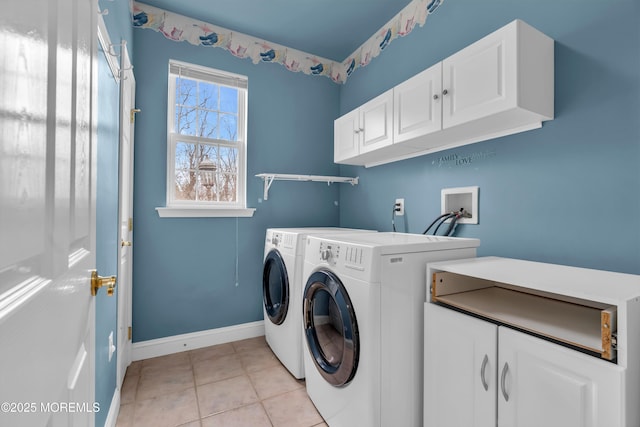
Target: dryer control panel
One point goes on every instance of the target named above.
(343, 255)
(329, 252)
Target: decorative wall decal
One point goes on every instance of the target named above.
(456, 159)
(181, 28)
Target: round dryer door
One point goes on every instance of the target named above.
(330, 328)
(275, 287)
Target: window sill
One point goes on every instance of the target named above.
(204, 212)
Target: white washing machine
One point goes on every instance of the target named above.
(363, 324)
(282, 284)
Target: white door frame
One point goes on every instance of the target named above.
(125, 213)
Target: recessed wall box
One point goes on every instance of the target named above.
(466, 198)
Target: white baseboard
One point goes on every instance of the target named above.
(114, 410)
(177, 343)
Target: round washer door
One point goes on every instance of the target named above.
(331, 328)
(275, 287)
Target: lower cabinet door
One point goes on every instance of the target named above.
(460, 369)
(544, 384)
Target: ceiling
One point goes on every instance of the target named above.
(332, 29)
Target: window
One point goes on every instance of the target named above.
(206, 153)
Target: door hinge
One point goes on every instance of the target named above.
(129, 333)
(132, 114)
(130, 224)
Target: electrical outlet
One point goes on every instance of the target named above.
(399, 207)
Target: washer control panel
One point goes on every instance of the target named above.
(276, 239)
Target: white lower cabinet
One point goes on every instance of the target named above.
(460, 355)
(480, 374)
(545, 384)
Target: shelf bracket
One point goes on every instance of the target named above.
(268, 179)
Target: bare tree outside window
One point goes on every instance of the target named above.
(206, 121)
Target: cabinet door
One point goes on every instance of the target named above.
(376, 123)
(346, 136)
(460, 383)
(418, 105)
(480, 80)
(544, 384)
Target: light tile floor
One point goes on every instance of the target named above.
(239, 384)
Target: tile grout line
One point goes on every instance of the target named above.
(195, 388)
(260, 400)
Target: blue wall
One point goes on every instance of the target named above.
(567, 193)
(118, 23)
(185, 275)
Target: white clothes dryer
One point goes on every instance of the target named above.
(282, 284)
(363, 324)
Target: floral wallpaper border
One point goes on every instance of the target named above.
(181, 28)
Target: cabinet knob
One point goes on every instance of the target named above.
(435, 97)
(444, 92)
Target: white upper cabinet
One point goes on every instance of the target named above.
(480, 80)
(418, 105)
(346, 136)
(500, 85)
(508, 71)
(365, 129)
(376, 126)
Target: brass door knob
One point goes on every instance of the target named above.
(98, 281)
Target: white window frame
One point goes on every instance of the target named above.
(187, 208)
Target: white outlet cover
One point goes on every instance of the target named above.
(401, 211)
(112, 348)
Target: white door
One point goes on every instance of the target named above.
(417, 107)
(460, 354)
(544, 384)
(127, 121)
(376, 122)
(480, 80)
(47, 213)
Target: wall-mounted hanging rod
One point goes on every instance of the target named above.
(268, 179)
